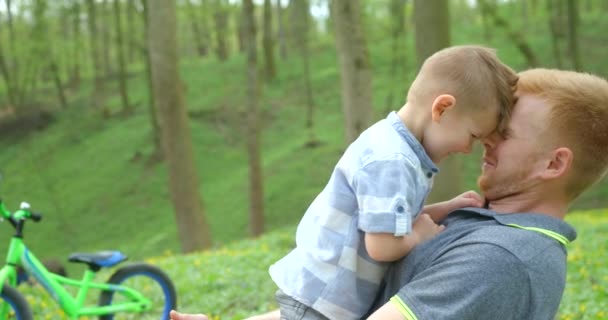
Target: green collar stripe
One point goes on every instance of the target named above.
(558, 237)
(403, 308)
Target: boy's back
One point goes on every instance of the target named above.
(328, 270)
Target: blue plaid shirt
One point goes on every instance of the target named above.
(378, 186)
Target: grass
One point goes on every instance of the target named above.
(232, 282)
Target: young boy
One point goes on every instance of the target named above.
(371, 211)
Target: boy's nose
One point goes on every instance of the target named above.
(490, 141)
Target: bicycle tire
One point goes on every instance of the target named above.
(20, 308)
(142, 270)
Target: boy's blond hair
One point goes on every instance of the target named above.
(578, 120)
(473, 75)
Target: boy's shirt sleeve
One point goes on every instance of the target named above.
(386, 192)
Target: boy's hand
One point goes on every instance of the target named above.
(425, 228)
(467, 199)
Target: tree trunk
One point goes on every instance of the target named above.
(432, 27)
(516, 37)
(268, 41)
(355, 69)
(241, 34)
(58, 86)
(93, 38)
(556, 34)
(281, 31)
(11, 27)
(196, 30)
(432, 33)
(176, 136)
(572, 34)
(131, 31)
(221, 30)
(7, 79)
(122, 68)
(75, 69)
(154, 123)
(397, 9)
(524, 14)
(256, 187)
(106, 34)
(300, 21)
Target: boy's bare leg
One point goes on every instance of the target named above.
(174, 315)
(272, 315)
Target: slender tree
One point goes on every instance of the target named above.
(11, 26)
(432, 33)
(397, 30)
(256, 187)
(93, 38)
(555, 17)
(105, 18)
(355, 69)
(7, 78)
(176, 136)
(77, 46)
(201, 46)
(221, 30)
(122, 67)
(301, 26)
(131, 31)
(154, 123)
(42, 49)
(519, 40)
(281, 31)
(572, 34)
(268, 43)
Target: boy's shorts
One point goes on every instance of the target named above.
(291, 309)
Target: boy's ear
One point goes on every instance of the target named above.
(441, 104)
(559, 164)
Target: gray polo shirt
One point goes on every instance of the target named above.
(484, 265)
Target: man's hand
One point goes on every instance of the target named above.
(425, 228)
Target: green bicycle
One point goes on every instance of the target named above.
(139, 290)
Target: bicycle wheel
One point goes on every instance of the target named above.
(150, 281)
(15, 304)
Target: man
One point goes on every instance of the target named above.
(509, 261)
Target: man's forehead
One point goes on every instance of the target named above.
(530, 111)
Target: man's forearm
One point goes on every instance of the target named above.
(387, 312)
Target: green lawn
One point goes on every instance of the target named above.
(232, 282)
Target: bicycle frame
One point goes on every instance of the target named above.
(54, 284)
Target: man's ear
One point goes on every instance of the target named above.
(559, 163)
(441, 104)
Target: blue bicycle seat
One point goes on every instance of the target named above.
(98, 260)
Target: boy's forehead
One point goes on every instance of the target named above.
(486, 121)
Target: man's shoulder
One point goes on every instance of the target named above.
(525, 244)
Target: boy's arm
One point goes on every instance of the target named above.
(387, 247)
(440, 210)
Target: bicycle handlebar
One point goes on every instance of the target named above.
(21, 214)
